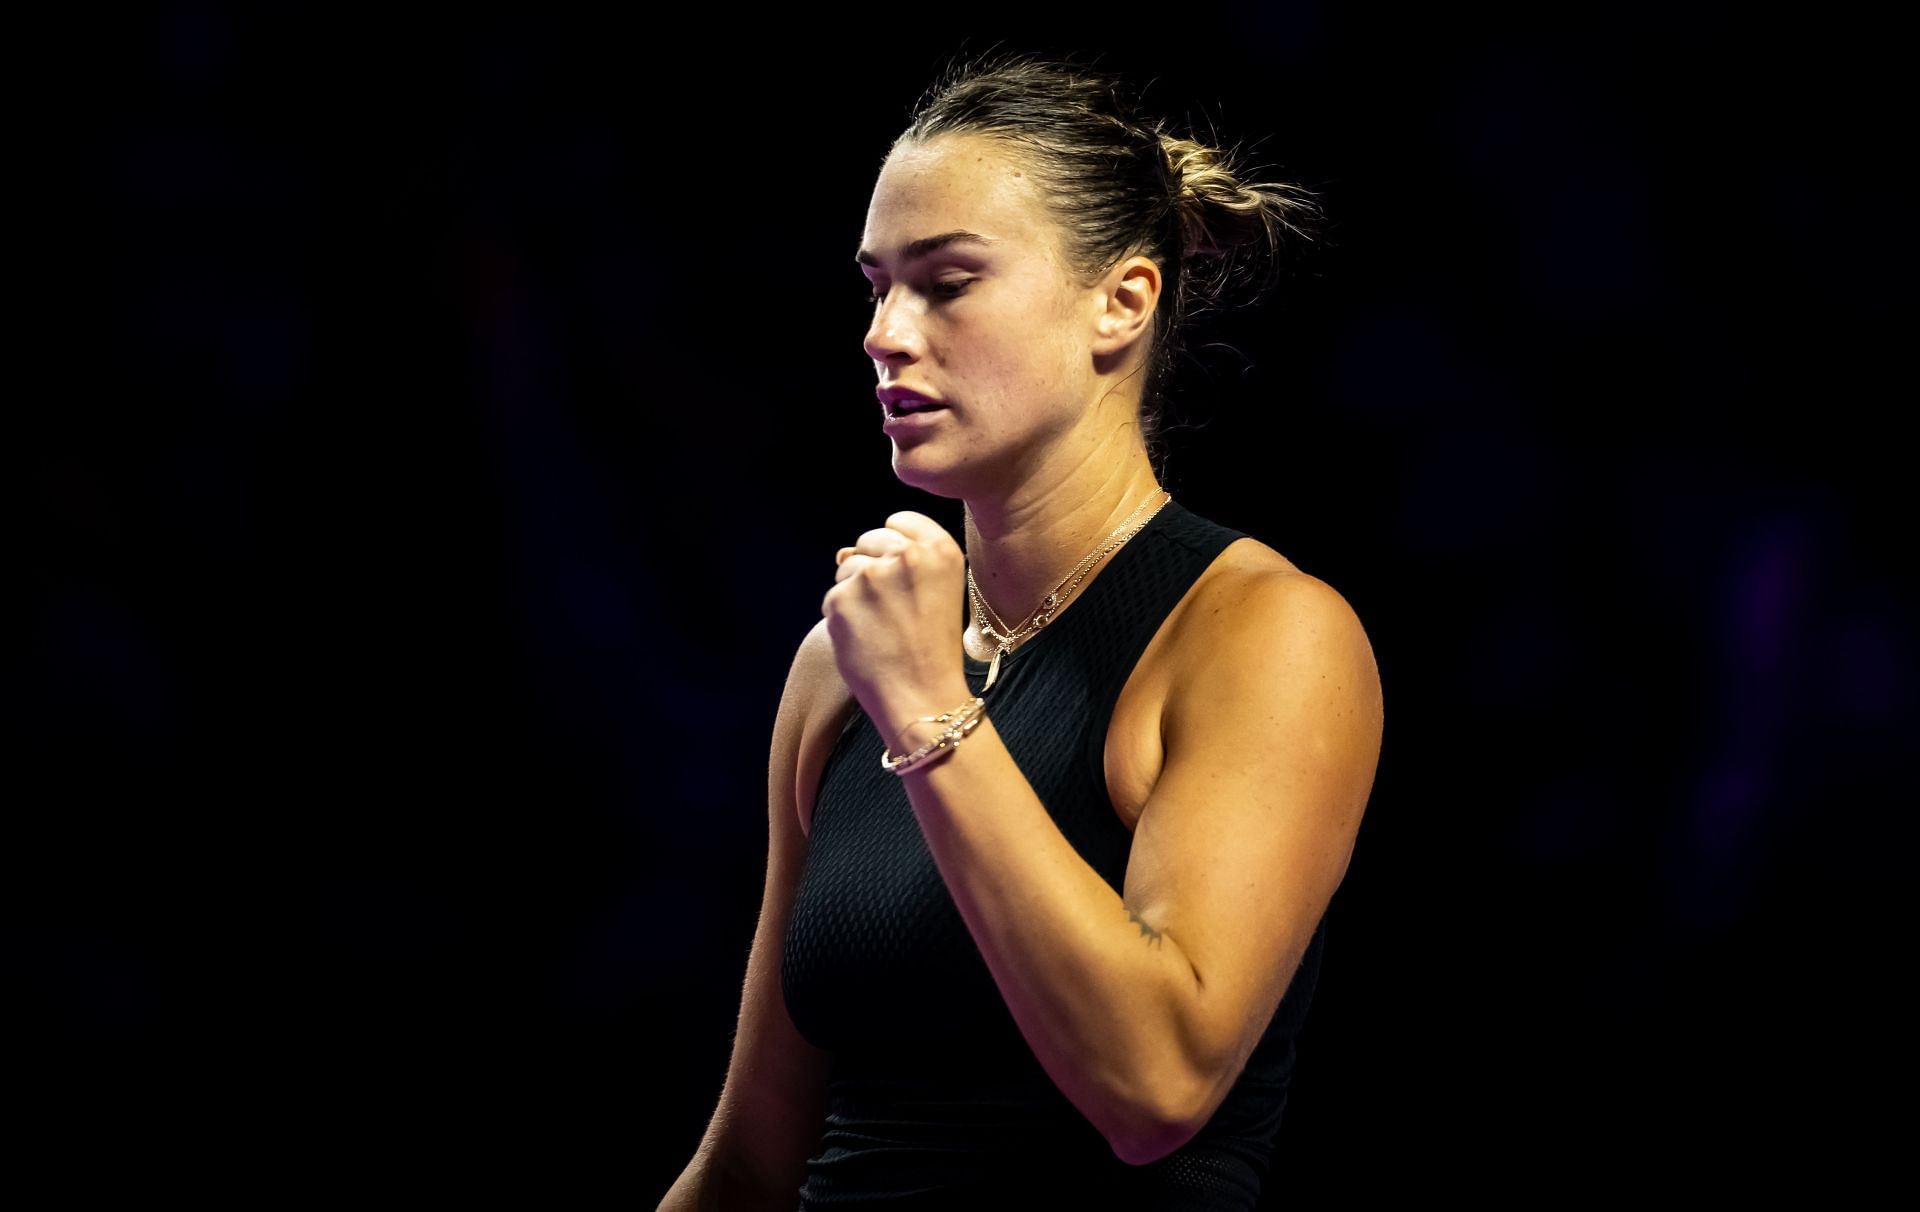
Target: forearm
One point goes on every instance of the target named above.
(1107, 1004)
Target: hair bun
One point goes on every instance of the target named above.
(1241, 226)
(1119, 184)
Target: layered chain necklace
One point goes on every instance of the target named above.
(1005, 637)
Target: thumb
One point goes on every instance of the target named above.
(916, 526)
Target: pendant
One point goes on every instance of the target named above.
(993, 668)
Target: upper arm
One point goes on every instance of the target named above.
(773, 1103)
(1271, 734)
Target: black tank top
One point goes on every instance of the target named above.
(934, 1099)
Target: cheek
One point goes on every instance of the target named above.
(1032, 377)
(1044, 343)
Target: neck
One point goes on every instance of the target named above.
(1022, 545)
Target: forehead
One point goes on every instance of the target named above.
(955, 183)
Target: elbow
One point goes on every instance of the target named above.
(1162, 1117)
(1148, 1144)
(1166, 1089)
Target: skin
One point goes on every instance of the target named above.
(1241, 753)
(1041, 372)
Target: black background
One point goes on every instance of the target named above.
(439, 431)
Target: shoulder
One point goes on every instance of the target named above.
(1256, 616)
(814, 706)
(814, 670)
(1250, 585)
(815, 676)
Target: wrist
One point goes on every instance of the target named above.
(951, 727)
(898, 714)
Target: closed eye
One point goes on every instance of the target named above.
(940, 290)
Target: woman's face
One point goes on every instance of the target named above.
(976, 310)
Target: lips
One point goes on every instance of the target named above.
(900, 402)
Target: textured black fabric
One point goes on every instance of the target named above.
(934, 1099)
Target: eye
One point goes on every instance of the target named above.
(952, 288)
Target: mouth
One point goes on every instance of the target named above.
(897, 401)
(912, 420)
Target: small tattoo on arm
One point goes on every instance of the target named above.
(1147, 932)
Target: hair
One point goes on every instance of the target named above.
(1120, 182)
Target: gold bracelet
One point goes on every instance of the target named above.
(956, 724)
(943, 717)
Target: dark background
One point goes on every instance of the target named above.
(442, 428)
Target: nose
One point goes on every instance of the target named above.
(894, 334)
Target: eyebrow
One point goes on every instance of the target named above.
(927, 245)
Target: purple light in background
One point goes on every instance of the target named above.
(1761, 622)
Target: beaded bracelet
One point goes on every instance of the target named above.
(957, 724)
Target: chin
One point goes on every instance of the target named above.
(940, 481)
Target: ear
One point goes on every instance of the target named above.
(1128, 295)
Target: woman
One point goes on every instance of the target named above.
(1055, 814)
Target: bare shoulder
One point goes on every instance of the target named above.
(821, 698)
(1256, 612)
(815, 674)
(1250, 585)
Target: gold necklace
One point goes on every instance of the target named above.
(1005, 637)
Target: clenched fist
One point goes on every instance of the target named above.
(895, 615)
